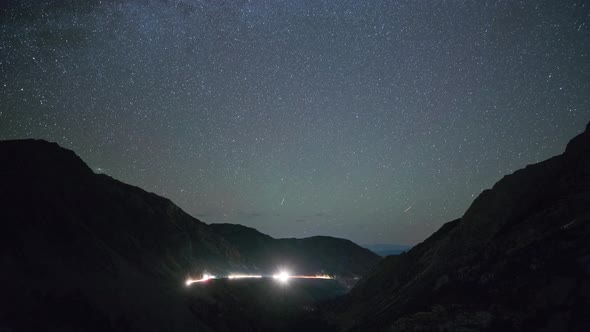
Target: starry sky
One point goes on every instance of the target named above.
(375, 121)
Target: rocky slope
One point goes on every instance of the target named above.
(518, 260)
(80, 250)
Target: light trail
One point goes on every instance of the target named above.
(322, 276)
(205, 277)
(282, 277)
(243, 276)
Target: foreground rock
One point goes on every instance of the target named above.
(82, 251)
(518, 260)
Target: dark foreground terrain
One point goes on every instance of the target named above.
(518, 260)
(81, 251)
(263, 304)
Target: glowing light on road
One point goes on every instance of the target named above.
(319, 276)
(205, 277)
(243, 276)
(282, 276)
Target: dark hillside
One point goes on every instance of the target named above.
(518, 260)
(85, 251)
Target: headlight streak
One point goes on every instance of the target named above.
(321, 276)
(243, 276)
(205, 277)
(282, 277)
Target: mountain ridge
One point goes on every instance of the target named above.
(518, 259)
(74, 240)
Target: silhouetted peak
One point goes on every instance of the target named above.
(516, 244)
(580, 144)
(40, 157)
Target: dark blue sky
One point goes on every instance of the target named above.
(375, 121)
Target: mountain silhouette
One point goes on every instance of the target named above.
(83, 251)
(517, 260)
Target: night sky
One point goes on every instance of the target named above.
(375, 121)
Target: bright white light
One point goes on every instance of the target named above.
(206, 277)
(282, 277)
